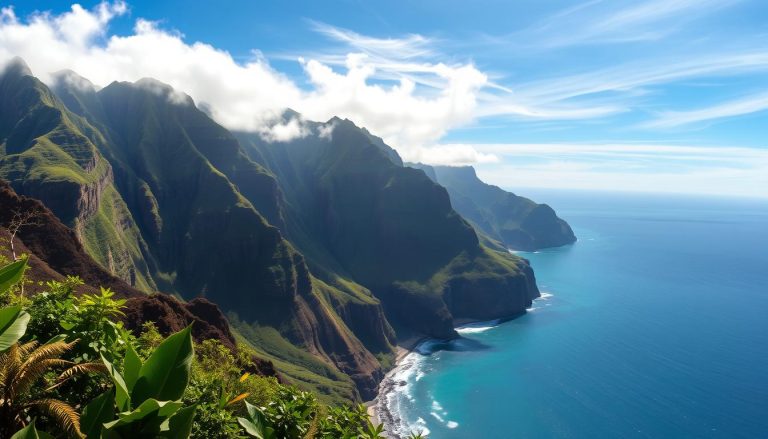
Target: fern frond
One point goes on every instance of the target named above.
(50, 350)
(79, 369)
(11, 371)
(65, 417)
(31, 372)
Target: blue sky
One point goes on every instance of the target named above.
(644, 95)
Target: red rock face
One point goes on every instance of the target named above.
(55, 245)
(171, 315)
(54, 251)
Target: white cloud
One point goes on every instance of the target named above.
(325, 131)
(284, 131)
(410, 114)
(738, 107)
(451, 155)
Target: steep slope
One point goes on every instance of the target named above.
(54, 248)
(55, 252)
(194, 190)
(44, 154)
(517, 222)
(358, 215)
(311, 247)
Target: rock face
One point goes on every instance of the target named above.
(54, 246)
(54, 251)
(46, 153)
(516, 222)
(195, 193)
(171, 315)
(360, 216)
(319, 250)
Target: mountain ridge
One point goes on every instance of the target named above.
(323, 251)
(513, 221)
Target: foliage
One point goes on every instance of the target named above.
(13, 324)
(217, 385)
(149, 339)
(22, 368)
(11, 274)
(89, 318)
(289, 416)
(30, 432)
(143, 387)
(147, 394)
(349, 422)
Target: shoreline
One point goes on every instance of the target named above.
(378, 410)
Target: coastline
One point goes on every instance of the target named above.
(378, 409)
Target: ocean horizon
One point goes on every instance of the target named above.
(653, 324)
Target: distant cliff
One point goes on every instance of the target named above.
(514, 221)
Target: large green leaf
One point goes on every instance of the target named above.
(180, 425)
(11, 274)
(256, 426)
(147, 420)
(165, 374)
(13, 325)
(98, 412)
(131, 366)
(122, 396)
(30, 432)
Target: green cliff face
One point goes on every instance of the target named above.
(210, 216)
(316, 248)
(513, 221)
(45, 154)
(360, 216)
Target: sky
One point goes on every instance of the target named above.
(629, 95)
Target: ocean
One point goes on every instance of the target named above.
(653, 325)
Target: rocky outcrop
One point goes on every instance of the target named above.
(171, 315)
(56, 244)
(54, 251)
(46, 153)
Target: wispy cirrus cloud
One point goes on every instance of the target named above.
(746, 105)
(414, 90)
(626, 79)
(614, 22)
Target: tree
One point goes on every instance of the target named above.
(20, 220)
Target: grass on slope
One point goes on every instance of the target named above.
(299, 366)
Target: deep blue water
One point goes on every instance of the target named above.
(656, 327)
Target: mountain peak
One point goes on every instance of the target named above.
(71, 79)
(17, 67)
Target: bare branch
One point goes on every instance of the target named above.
(21, 219)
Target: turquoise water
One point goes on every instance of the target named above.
(653, 325)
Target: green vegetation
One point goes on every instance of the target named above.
(323, 245)
(45, 154)
(68, 368)
(503, 218)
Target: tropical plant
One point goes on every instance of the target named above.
(145, 400)
(22, 367)
(290, 415)
(93, 319)
(256, 424)
(10, 275)
(31, 432)
(349, 422)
